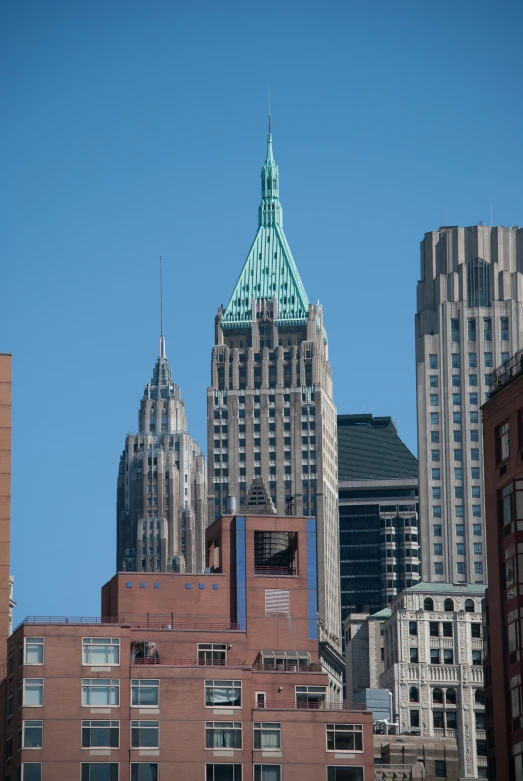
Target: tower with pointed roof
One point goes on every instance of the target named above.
(161, 491)
(270, 408)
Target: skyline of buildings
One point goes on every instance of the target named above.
(469, 321)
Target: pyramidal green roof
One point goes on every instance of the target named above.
(269, 271)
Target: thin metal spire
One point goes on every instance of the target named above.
(269, 114)
(162, 340)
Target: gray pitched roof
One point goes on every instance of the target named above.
(370, 449)
(449, 588)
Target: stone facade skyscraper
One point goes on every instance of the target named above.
(469, 320)
(161, 493)
(270, 407)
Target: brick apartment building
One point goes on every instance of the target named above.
(201, 677)
(503, 447)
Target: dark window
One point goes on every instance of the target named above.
(437, 718)
(344, 773)
(478, 283)
(414, 655)
(448, 606)
(469, 605)
(428, 603)
(97, 771)
(437, 696)
(502, 442)
(447, 629)
(433, 629)
(144, 771)
(475, 630)
(223, 772)
(440, 768)
(450, 696)
(413, 694)
(413, 628)
(414, 718)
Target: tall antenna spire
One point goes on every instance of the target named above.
(162, 340)
(269, 114)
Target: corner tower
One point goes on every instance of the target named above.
(161, 493)
(270, 408)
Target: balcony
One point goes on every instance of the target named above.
(293, 705)
(287, 667)
(169, 662)
(135, 621)
(443, 673)
(505, 373)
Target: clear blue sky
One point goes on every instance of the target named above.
(135, 129)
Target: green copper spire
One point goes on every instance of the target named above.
(269, 271)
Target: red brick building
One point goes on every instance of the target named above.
(503, 447)
(200, 677)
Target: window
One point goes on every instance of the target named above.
(458, 509)
(32, 734)
(99, 771)
(476, 529)
(478, 284)
(433, 399)
(414, 655)
(433, 361)
(478, 568)
(474, 454)
(145, 734)
(502, 442)
(454, 330)
(223, 772)
(101, 651)
(460, 567)
(433, 629)
(504, 329)
(474, 472)
(438, 549)
(456, 381)
(455, 360)
(267, 735)
(448, 606)
(435, 455)
(456, 398)
(436, 474)
(32, 771)
(472, 329)
(436, 511)
(344, 737)
(456, 417)
(457, 435)
(267, 772)
(450, 696)
(437, 530)
(223, 694)
(438, 568)
(434, 436)
(473, 360)
(473, 398)
(504, 357)
(475, 630)
(460, 549)
(344, 773)
(478, 549)
(458, 492)
(436, 493)
(31, 651)
(212, 653)
(144, 771)
(476, 510)
(460, 530)
(98, 692)
(473, 379)
(413, 627)
(458, 455)
(487, 329)
(476, 492)
(458, 473)
(100, 734)
(33, 692)
(434, 655)
(433, 380)
(447, 629)
(310, 696)
(437, 696)
(476, 658)
(480, 720)
(145, 693)
(414, 718)
(448, 656)
(434, 418)
(487, 357)
(437, 719)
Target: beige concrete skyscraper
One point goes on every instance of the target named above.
(270, 407)
(469, 320)
(161, 493)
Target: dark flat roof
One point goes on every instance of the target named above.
(369, 448)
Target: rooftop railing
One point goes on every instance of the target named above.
(505, 373)
(155, 621)
(168, 662)
(288, 667)
(294, 705)
(274, 572)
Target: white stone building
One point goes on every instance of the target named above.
(434, 668)
(469, 320)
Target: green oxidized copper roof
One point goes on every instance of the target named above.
(269, 271)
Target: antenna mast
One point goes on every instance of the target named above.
(162, 340)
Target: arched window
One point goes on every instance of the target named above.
(469, 605)
(413, 694)
(479, 697)
(428, 604)
(450, 696)
(478, 282)
(437, 696)
(448, 606)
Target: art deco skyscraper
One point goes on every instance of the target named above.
(469, 320)
(161, 494)
(270, 408)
